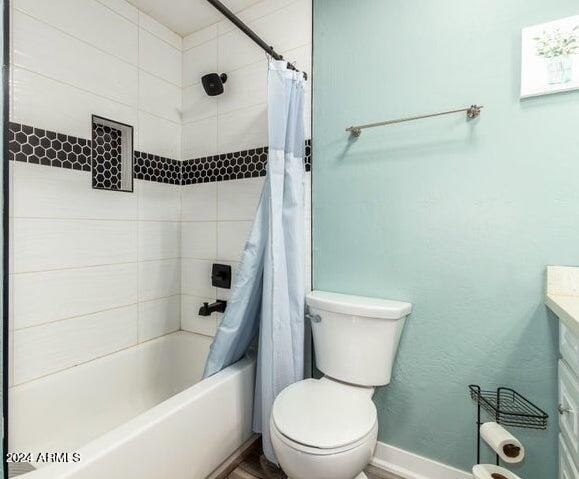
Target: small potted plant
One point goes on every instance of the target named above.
(557, 48)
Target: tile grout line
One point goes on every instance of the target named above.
(252, 64)
(224, 114)
(110, 220)
(217, 202)
(64, 32)
(98, 95)
(181, 250)
(93, 313)
(139, 25)
(99, 265)
(217, 123)
(60, 30)
(158, 37)
(118, 13)
(77, 316)
(90, 360)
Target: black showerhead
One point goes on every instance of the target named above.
(213, 83)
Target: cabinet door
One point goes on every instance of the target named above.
(569, 403)
(569, 346)
(567, 468)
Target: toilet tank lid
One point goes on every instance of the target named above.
(358, 305)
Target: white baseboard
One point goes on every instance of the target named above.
(412, 466)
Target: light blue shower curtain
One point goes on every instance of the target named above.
(268, 293)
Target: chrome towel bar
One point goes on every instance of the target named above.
(472, 112)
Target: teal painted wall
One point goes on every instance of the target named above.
(459, 219)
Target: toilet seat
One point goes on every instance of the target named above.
(369, 439)
(324, 416)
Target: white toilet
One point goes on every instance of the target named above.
(327, 428)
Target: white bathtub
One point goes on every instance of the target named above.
(141, 413)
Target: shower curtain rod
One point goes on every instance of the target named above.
(251, 34)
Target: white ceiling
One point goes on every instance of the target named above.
(187, 16)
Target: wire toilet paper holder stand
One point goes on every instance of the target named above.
(508, 408)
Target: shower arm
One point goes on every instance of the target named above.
(251, 34)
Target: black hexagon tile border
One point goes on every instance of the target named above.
(107, 155)
(43, 147)
(151, 167)
(232, 166)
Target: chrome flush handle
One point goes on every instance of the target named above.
(314, 318)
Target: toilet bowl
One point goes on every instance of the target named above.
(323, 429)
(301, 462)
(327, 428)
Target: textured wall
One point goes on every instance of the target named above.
(460, 219)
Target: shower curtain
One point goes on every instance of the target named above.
(267, 299)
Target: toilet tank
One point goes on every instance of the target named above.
(355, 337)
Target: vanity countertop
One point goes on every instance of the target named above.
(566, 308)
(562, 295)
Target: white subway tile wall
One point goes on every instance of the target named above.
(231, 236)
(76, 58)
(80, 253)
(160, 98)
(216, 232)
(199, 239)
(93, 271)
(159, 279)
(199, 202)
(217, 217)
(234, 128)
(87, 21)
(191, 321)
(159, 58)
(196, 277)
(65, 109)
(49, 244)
(159, 316)
(57, 193)
(238, 199)
(237, 119)
(197, 105)
(86, 290)
(199, 138)
(159, 202)
(63, 344)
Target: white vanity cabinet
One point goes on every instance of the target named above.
(568, 403)
(562, 297)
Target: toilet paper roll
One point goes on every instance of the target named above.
(502, 442)
(490, 471)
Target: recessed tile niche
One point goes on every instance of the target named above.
(112, 155)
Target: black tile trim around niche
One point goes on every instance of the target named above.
(43, 147)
